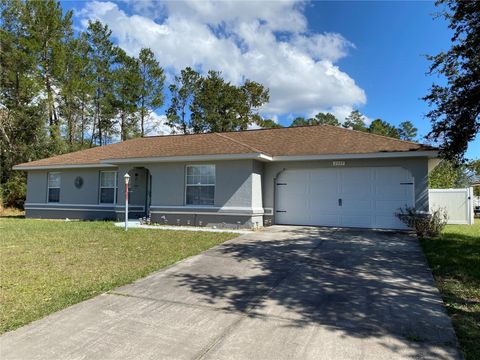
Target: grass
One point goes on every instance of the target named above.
(47, 265)
(455, 262)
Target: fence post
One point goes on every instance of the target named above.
(471, 214)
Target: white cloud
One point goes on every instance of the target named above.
(155, 125)
(268, 42)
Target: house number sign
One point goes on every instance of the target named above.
(339, 163)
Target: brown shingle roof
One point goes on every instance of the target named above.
(309, 140)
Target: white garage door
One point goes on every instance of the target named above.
(350, 197)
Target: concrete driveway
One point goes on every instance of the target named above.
(281, 293)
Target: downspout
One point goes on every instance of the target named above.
(275, 194)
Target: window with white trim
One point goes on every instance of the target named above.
(53, 187)
(200, 185)
(108, 187)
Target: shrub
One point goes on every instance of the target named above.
(425, 224)
(14, 191)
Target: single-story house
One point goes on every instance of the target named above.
(315, 175)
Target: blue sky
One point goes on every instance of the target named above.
(314, 56)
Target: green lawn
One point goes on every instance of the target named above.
(455, 261)
(47, 265)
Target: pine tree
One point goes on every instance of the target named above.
(182, 93)
(48, 28)
(355, 121)
(102, 56)
(22, 130)
(407, 131)
(128, 82)
(152, 78)
(380, 127)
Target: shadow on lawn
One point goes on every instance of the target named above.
(361, 284)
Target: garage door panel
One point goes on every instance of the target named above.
(370, 196)
(352, 206)
(325, 219)
(387, 222)
(356, 221)
(356, 183)
(324, 206)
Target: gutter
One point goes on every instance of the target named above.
(112, 163)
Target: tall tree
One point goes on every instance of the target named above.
(102, 56)
(221, 106)
(326, 119)
(268, 124)
(455, 115)
(448, 175)
(213, 108)
(22, 129)
(151, 87)
(48, 29)
(76, 92)
(355, 121)
(183, 92)
(128, 89)
(380, 127)
(474, 167)
(407, 131)
(210, 104)
(252, 96)
(319, 119)
(299, 121)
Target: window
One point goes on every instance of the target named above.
(200, 186)
(53, 187)
(108, 187)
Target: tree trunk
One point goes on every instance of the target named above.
(122, 127)
(142, 117)
(82, 125)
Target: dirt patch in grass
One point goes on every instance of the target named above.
(11, 212)
(47, 265)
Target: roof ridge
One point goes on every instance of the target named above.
(373, 134)
(224, 136)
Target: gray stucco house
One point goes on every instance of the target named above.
(316, 175)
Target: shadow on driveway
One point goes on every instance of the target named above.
(362, 283)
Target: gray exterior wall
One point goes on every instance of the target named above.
(238, 201)
(75, 203)
(244, 191)
(233, 201)
(69, 194)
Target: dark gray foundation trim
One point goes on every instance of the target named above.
(230, 221)
(236, 218)
(70, 214)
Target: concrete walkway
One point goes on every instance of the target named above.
(281, 293)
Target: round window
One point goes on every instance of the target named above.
(78, 182)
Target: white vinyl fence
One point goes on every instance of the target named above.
(457, 202)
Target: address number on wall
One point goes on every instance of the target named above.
(339, 163)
